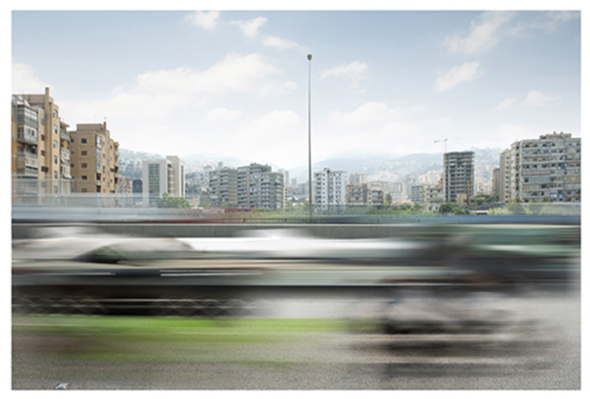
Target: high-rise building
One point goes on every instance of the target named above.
(176, 176)
(329, 189)
(137, 186)
(286, 178)
(94, 159)
(504, 176)
(223, 187)
(26, 122)
(547, 168)
(458, 177)
(40, 145)
(259, 187)
(252, 186)
(496, 181)
(162, 176)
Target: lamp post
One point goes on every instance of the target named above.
(309, 137)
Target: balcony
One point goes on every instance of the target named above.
(65, 171)
(64, 135)
(28, 138)
(27, 164)
(64, 154)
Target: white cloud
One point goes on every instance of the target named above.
(277, 42)
(250, 28)
(551, 20)
(457, 75)
(204, 20)
(221, 114)
(507, 103)
(25, 81)
(154, 96)
(249, 73)
(538, 99)
(355, 72)
(275, 121)
(366, 115)
(493, 26)
(483, 35)
(562, 16)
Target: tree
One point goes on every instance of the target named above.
(166, 201)
(451, 208)
(388, 200)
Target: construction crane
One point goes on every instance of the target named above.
(445, 141)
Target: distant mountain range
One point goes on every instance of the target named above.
(378, 167)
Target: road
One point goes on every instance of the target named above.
(84, 353)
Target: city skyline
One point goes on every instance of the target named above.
(414, 79)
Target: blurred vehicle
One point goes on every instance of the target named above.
(73, 270)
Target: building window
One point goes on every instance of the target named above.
(83, 141)
(43, 153)
(55, 144)
(84, 177)
(55, 114)
(55, 159)
(55, 174)
(84, 166)
(55, 130)
(84, 153)
(43, 137)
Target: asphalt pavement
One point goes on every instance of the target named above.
(538, 350)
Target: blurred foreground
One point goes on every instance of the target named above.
(541, 350)
(441, 307)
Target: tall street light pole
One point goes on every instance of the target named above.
(309, 137)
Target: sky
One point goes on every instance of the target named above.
(238, 83)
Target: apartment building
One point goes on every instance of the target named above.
(94, 159)
(40, 146)
(259, 187)
(458, 177)
(252, 186)
(363, 195)
(356, 194)
(417, 194)
(163, 176)
(433, 197)
(496, 182)
(223, 187)
(375, 198)
(398, 192)
(329, 189)
(547, 168)
(358, 178)
(26, 124)
(504, 177)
